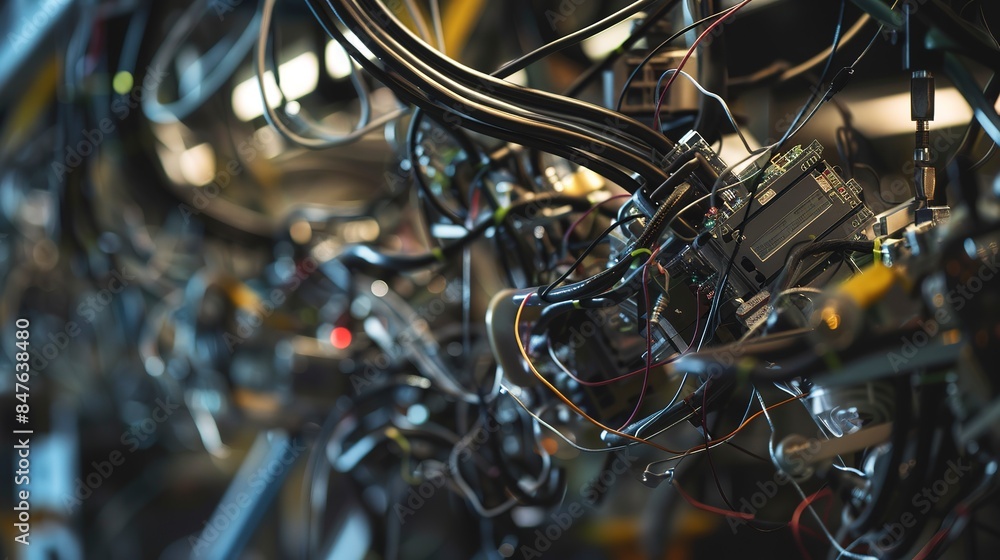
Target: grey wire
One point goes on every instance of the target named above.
(821, 56)
(663, 410)
(701, 448)
(538, 419)
(715, 96)
(438, 24)
(809, 506)
(322, 140)
(210, 82)
(470, 495)
(418, 20)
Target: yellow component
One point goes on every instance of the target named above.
(831, 318)
(617, 530)
(256, 403)
(870, 286)
(242, 296)
(35, 100)
(460, 18)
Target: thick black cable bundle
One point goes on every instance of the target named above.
(616, 147)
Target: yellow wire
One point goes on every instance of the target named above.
(563, 398)
(578, 410)
(32, 104)
(395, 435)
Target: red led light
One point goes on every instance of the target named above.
(340, 337)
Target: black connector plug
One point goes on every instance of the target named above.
(839, 82)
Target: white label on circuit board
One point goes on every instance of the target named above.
(765, 196)
(791, 225)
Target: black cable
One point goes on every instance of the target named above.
(367, 258)
(878, 184)
(418, 177)
(582, 112)
(822, 77)
(590, 248)
(573, 38)
(986, 158)
(724, 278)
(510, 478)
(886, 479)
(608, 61)
(416, 82)
(713, 74)
(417, 52)
(660, 47)
(790, 272)
(992, 91)
(930, 400)
(606, 279)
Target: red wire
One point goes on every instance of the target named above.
(928, 548)
(708, 447)
(624, 376)
(473, 209)
(649, 339)
(797, 519)
(687, 55)
(925, 552)
(587, 213)
(712, 509)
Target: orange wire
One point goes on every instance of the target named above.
(712, 509)
(751, 419)
(587, 417)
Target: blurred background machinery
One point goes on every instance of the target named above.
(372, 279)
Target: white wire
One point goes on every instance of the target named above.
(418, 20)
(663, 410)
(321, 140)
(470, 494)
(812, 511)
(211, 81)
(438, 24)
(701, 448)
(715, 96)
(554, 430)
